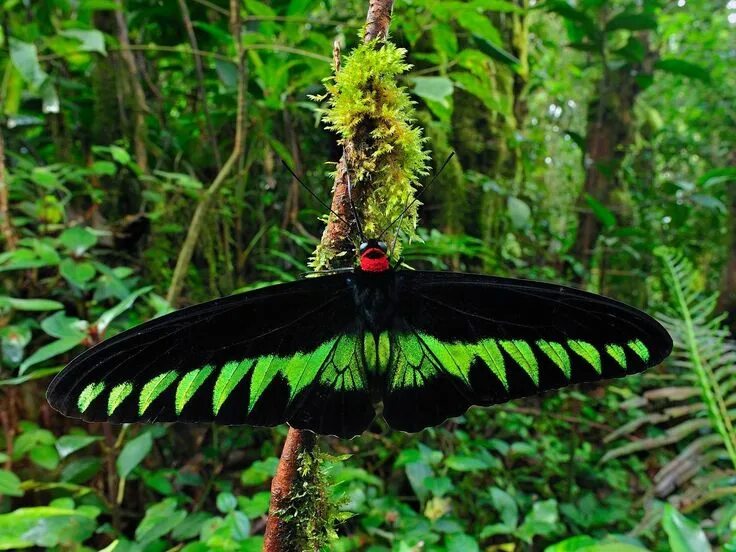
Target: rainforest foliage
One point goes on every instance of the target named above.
(140, 171)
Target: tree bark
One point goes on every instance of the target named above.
(6, 226)
(337, 238)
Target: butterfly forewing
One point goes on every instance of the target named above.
(283, 353)
(467, 339)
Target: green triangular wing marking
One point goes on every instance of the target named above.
(640, 349)
(301, 369)
(88, 394)
(522, 353)
(488, 351)
(455, 358)
(117, 395)
(617, 353)
(265, 370)
(154, 388)
(230, 375)
(189, 384)
(557, 354)
(588, 352)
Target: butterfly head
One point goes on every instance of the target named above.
(374, 256)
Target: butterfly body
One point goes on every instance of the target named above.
(321, 353)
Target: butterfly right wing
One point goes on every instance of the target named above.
(284, 353)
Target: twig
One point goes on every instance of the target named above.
(200, 81)
(195, 227)
(6, 226)
(139, 97)
(337, 238)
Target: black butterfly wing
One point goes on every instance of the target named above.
(465, 339)
(285, 353)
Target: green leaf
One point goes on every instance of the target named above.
(602, 213)
(92, 40)
(9, 484)
(462, 543)
(51, 350)
(159, 520)
(254, 506)
(681, 67)
(632, 22)
(108, 316)
(465, 463)
(120, 155)
(506, 506)
(479, 25)
(519, 212)
(683, 535)
(44, 456)
(260, 471)
(494, 51)
(25, 59)
(226, 502)
(30, 305)
(77, 273)
(77, 239)
(437, 89)
(60, 325)
(67, 444)
(133, 453)
(45, 526)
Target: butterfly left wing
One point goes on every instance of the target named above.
(277, 354)
(465, 339)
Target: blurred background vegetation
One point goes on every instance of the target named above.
(596, 145)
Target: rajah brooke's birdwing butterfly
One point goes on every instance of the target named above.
(321, 353)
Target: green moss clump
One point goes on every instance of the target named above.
(367, 107)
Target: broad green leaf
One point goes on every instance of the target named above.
(519, 212)
(109, 315)
(632, 22)
(462, 543)
(681, 67)
(51, 350)
(77, 239)
(9, 484)
(30, 305)
(60, 325)
(159, 520)
(77, 273)
(602, 213)
(683, 535)
(506, 506)
(44, 456)
(260, 471)
(133, 453)
(465, 463)
(45, 526)
(25, 58)
(226, 502)
(437, 89)
(67, 444)
(92, 40)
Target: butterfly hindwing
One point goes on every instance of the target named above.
(479, 340)
(265, 357)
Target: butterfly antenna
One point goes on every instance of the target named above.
(350, 197)
(416, 197)
(315, 196)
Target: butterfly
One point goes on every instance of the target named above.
(322, 353)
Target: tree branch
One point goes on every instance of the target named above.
(336, 238)
(195, 227)
(199, 69)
